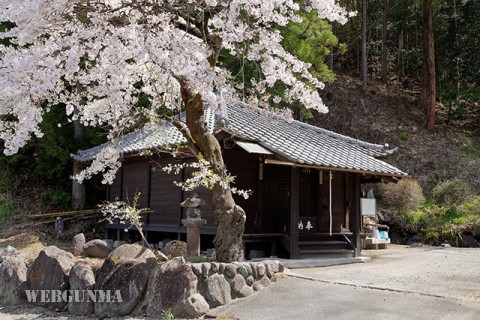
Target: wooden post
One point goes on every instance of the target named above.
(294, 212)
(356, 223)
(149, 193)
(258, 214)
(348, 202)
(330, 200)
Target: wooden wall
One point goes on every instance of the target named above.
(159, 193)
(165, 197)
(267, 210)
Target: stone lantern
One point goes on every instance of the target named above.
(193, 222)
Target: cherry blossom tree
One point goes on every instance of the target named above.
(100, 58)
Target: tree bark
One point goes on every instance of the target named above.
(364, 46)
(384, 43)
(78, 189)
(428, 95)
(228, 217)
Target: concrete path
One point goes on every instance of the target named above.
(398, 283)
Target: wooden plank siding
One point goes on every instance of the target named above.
(165, 197)
(115, 189)
(135, 179)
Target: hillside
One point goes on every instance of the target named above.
(392, 115)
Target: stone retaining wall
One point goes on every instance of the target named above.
(146, 285)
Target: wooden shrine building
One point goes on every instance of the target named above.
(305, 180)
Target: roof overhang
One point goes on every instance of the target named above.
(293, 164)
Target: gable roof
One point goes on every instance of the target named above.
(295, 141)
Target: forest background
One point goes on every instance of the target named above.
(376, 70)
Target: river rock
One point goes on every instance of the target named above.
(246, 291)
(97, 249)
(196, 306)
(260, 270)
(237, 283)
(132, 251)
(250, 280)
(217, 291)
(175, 248)
(260, 284)
(271, 267)
(78, 242)
(230, 270)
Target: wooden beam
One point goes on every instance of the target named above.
(297, 165)
(78, 213)
(294, 212)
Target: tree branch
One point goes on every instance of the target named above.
(182, 127)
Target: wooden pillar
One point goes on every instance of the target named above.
(294, 212)
(348, 202)
(258, 213)
(149, 192)
(356, 219)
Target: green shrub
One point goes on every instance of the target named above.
(417, 217)
(451, 193)
(404, 135)
(402, 197)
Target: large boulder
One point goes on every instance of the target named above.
(13, 280)
(50, 271)
(97, 249)
(175, 248)
(78, 242)
(170, 286)
(82, 279)
(126, 273)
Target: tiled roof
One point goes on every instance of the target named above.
(295, 141)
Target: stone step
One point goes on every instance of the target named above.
(326, 253)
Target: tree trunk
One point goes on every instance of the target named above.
(228, 217)
(384, 42)
(364, 46)
(428, 96)
(78, 189)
